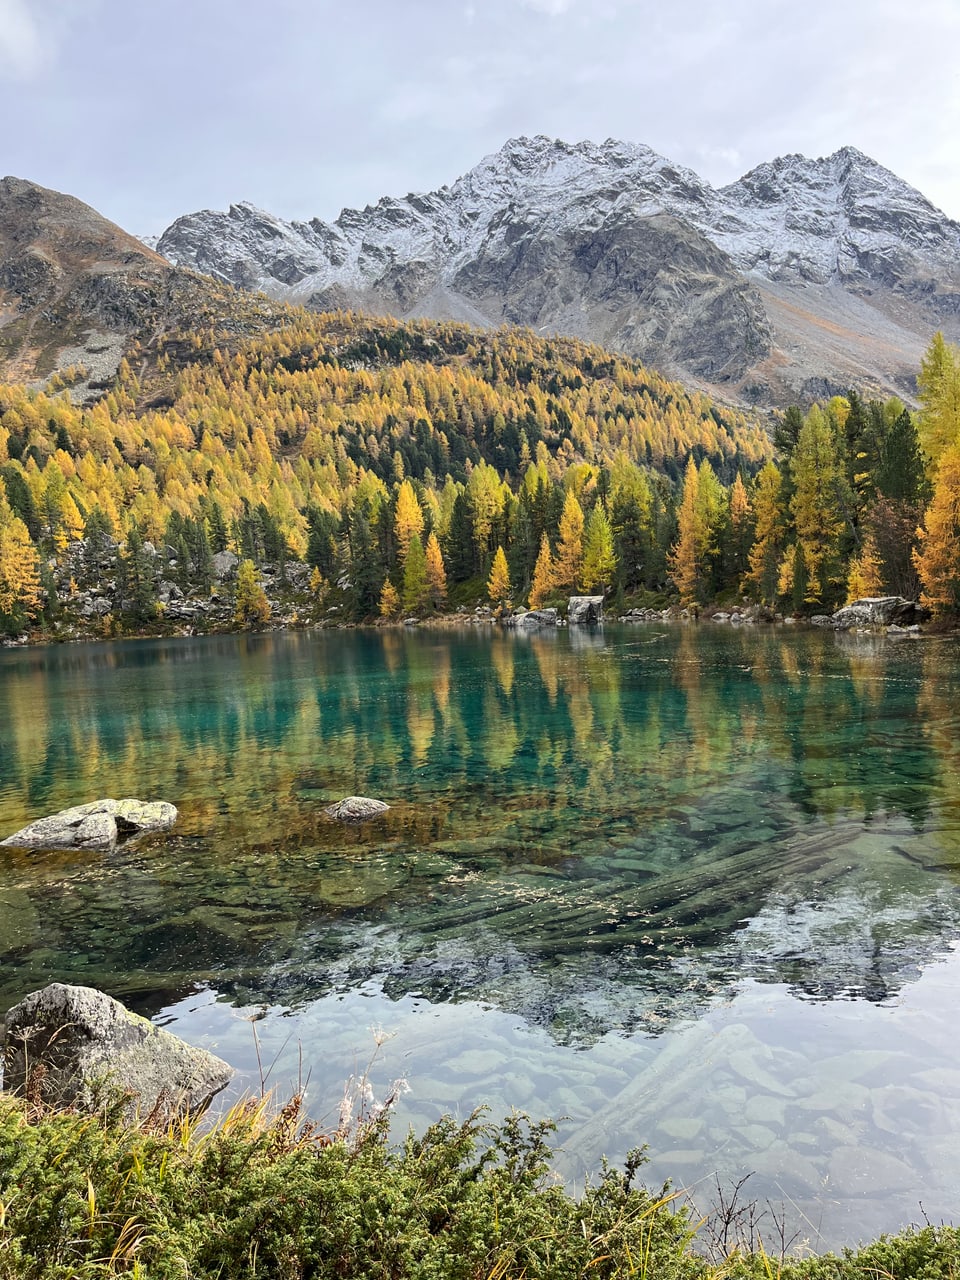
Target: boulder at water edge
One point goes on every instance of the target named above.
(74, 1046)
(585, 609)
(880, 611)
(535, 618)
(98, 825)
(355, 809)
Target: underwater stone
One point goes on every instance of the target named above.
(865, 1172)
(355, 809)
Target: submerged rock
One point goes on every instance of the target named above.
(75, 1046)
(355, 809)
(98, 825)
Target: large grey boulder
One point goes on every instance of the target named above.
(68, 1046)
(585, 609)
(536, 618)
(98, 825)
(880, 611)
(356, 809)
(224, 565)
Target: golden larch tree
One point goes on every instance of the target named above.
(498, 584)
(408, 519)
(543, 580)
(569, 562)
(937, 559)
(436, 573)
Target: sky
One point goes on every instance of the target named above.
(147, 110)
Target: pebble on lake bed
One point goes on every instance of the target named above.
(356, 809)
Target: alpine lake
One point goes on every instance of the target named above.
(694, 886)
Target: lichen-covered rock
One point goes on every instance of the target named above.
(98, 825)
(75, 1046)
(356, 809)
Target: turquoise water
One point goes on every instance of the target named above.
(695, 887)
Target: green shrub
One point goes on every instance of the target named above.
(268, 1197)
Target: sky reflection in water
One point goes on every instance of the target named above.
(690, 886)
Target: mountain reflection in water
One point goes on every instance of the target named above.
(599, 842)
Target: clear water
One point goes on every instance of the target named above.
(695, 887)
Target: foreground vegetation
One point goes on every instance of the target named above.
(380, 469)
(270, 1197)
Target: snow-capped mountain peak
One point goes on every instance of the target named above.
(610, 241)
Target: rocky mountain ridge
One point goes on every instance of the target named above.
(804, 276)
(76, 291)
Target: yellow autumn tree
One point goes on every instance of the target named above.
(866, 572)
(498, 584)
(389, 601)
(408, 519)
(20, 592)
(436, 573)
(543, 580)
(568, 566)
(683, 560)
(937, 559)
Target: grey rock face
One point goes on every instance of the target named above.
(535, 618)
(616, 244)
(585, 609)
(356, 809)
(880, 611)
(73, 1046)
(224, 565)
(98, 825)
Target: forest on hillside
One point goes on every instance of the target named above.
(412, 467)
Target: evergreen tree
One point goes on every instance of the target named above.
(365, 574)
(938, 387)
(766, 554)
(139, 600)
(599, 559)
(251, 607)
(816, 507)
(460, 551)
(415, 588)
(322, 529)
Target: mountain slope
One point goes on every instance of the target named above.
(76, 290)
(614, 243)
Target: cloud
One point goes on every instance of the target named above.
(21, 48)
(553, 8)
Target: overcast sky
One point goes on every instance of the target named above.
(147, 110)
